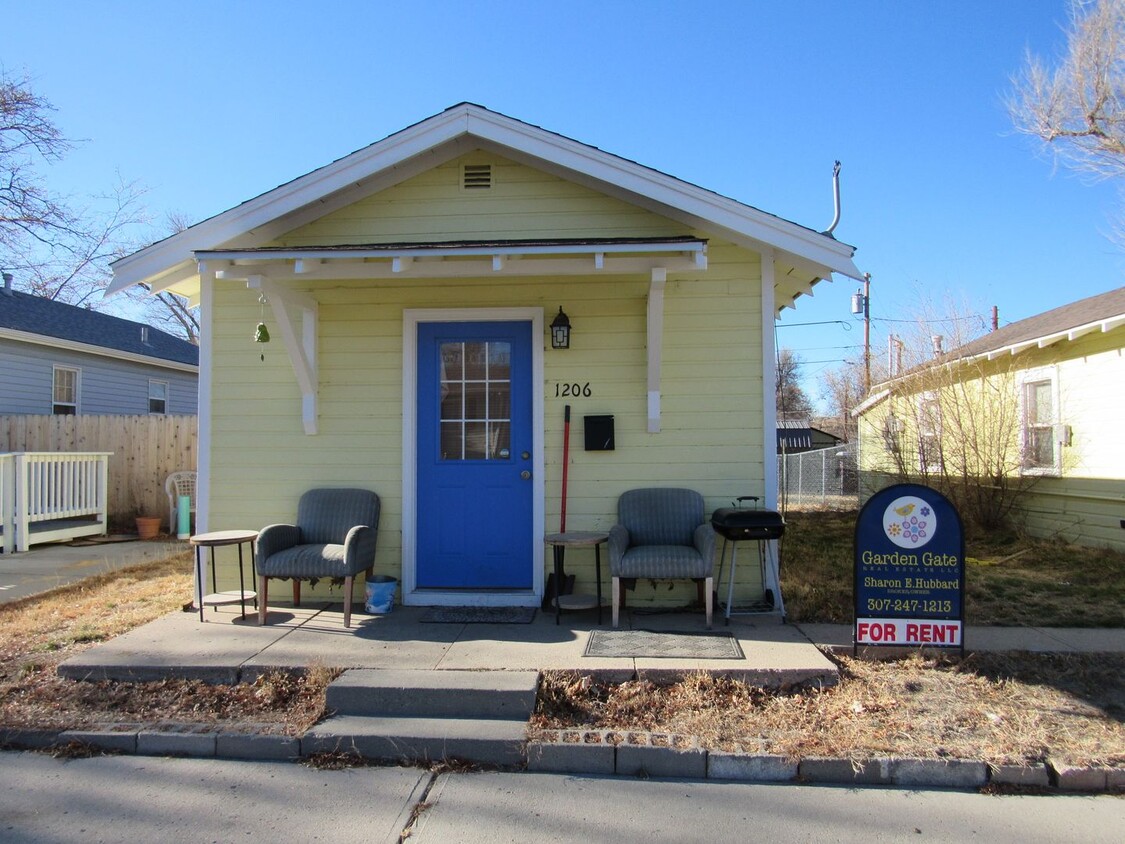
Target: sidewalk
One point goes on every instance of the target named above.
(48, 566)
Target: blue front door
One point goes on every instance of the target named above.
(475, 446)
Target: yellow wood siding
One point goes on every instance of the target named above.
(522, 203)
(711, 438)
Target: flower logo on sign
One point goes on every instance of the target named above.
(909, 522)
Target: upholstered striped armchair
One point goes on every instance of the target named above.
(662, 533)
(334, 537)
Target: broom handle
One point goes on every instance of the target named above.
(566, 462)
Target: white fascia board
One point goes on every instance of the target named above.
(156, 259)
(869, 402)
(703, 208)
(712, 211)
(101, 351)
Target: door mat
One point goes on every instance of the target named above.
(478, 615)
(653, 645)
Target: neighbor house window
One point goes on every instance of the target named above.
(64, 399)
(157, 396)
(892, 427)
(929, 434)
(1040, 413)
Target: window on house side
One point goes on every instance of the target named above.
(891, 428)
(1039, 425)
(64, 391)
(929, 435)
(157, 396)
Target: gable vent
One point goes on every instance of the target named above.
(476, 176)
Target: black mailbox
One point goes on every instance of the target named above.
(599, 433)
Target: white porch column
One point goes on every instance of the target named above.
(769, 383)
(655, 332)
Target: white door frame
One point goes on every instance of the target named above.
(411, 596)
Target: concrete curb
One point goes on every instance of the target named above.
(606, 753)
(595, 755)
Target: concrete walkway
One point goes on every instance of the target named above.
(226, 647)
(45, 567)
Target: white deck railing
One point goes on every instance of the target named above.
(49, 496)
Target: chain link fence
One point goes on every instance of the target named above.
(825, 479)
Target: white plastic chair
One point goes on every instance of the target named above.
(179, 483)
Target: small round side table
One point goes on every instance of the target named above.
(217, 539)
(577, 539)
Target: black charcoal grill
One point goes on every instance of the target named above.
(740, 523)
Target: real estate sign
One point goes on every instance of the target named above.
(909, 570)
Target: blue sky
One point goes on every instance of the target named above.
(209, 104)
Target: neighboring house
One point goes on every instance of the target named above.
(60, 359)
(409, 290)
(1052, 416)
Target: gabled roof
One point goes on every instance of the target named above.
(803, 256)
(35, 319)
(1069, 322)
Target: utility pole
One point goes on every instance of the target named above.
(861, 304)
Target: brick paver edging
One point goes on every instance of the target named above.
(625, 753)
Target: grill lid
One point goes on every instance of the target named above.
(741, 523)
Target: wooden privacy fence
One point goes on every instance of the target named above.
(145, 450)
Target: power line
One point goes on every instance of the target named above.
(847, 325)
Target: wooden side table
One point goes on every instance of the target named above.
(577, 539)
(217, 539)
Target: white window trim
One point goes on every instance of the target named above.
(55, 368)
(1031, 376)
(167, 396)
(936, 466)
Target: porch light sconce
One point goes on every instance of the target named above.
(560, 331)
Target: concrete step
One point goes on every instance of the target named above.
(505, 695)
(483, 741)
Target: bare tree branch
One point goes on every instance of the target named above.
(1077, 107)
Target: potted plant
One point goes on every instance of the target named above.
(147, 526)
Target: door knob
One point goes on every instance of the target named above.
(526, 475)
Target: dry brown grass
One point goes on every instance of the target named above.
(1010, 580)
(1003, 709)
(39, 632)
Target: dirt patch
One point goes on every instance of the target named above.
(39, 632)
(1010, 709)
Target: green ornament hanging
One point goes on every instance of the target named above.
(261, 333)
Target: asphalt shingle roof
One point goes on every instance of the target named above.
(36, 315)
(1083, 312)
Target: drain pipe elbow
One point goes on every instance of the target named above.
(835, 198)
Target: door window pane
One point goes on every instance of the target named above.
(475, 400)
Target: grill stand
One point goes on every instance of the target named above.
(767, 567)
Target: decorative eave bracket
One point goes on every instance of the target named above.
(299, 339)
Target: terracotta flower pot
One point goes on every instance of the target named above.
(148, 526)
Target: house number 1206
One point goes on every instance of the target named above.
(566, 391)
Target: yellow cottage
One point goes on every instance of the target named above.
(476, 230)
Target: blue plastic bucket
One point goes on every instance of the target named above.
(379, 593)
